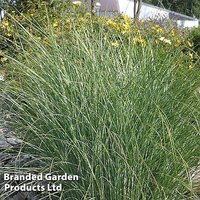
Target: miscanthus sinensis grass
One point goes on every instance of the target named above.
(122, 116)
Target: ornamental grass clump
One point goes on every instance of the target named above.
(122, 116)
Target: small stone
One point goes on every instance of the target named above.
(2, 78)
(9, 134)
(8, 116)
(3, 130)
(14, 141)
(3, 144)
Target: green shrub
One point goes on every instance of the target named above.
(195, 37)
(119, 112)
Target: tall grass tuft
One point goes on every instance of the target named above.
(124, 118)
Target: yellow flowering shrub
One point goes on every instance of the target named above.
(43, 17)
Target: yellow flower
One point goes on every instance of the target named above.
(55, 24)
(189, 44)
(163, 39)
(126, 28)
(8, 28)
(158, 29)
(190, 66)
(172, 33)
(127, 19)
(9, 34)
(5, 23)
(111, 23)
(4, 59)
(190, 55)
(177, 43)
(115, 44)
(139, 41)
